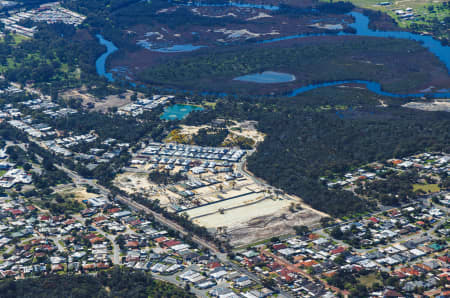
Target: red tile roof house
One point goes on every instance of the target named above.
(102, 265)
(394, 212)
(47, 247)
(69, 221)
(444, 259)
(374, 219)
(16, 212)
(57, 267)
(392, 293)
(308, 263)
(160, 239)
(279, 246)
(274, 266)
(214, 265)
(44, 218)
(287, 275)
(330, 273)
(113, 210)
(171, 243)
(313, 236)
(30, 208)
(410, 271)
(135, 223)
(132, 244)
(96, 239)
(89, 267)
(338, 250)
(100, 219)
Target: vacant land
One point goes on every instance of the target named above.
(435, 106)
(100, 105)
(238, 132)
(426, 187)
(253, 217)
(369, 280)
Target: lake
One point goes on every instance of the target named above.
(178, 111)
(179, 48)
(267, 77)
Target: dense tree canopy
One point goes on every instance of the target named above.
(330, 130)
(114, 283)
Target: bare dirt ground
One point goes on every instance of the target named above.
(100, 105)
(438, 105)
(279, 222)
(139, 183)
(245, 129)
(133, 182)
(255, 216)
(77, 193)
(248, 129)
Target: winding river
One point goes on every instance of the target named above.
(100, 64)
(361, 25)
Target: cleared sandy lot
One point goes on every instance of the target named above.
(244, 209)
(253, 217)
(77, 193)
(101, 105)
(222, 205)
(438, 105)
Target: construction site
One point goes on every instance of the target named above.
(216, 192)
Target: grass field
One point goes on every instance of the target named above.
(17, 38)
(369, 280)
(426, 187)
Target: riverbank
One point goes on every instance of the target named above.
(385, 70)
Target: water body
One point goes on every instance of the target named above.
(372, 86)
(235, 4)
(100, 63)
(267, 77)
(171, 49)
(178, 112)
(361, 26)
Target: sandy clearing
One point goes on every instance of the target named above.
(222, 205)
(101, 105)
(261, 15)
(279, 222)
(241, 214)
(79, 193)
(438, 105)
(242, 33)
(243, 129)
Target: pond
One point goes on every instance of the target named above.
(267, 77)
(178, 111)
(179, 48)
